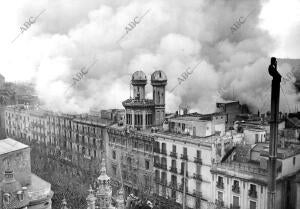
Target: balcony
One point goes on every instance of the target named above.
(236, 189)
(164, 167)
(252, 193)
(197, 176)
(219, 203)
(197, 193)
(173, 154)
(234, 206)
(157, 180)
(220, 185)
(163, 182)
(186, 173)
(173, 185)
(156, 150)
(181, 188)
(164, 152)
(173, 169)
(198, 160)
(184, 157)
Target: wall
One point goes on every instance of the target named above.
(19, 161)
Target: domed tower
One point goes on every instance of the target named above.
(103, 190)
(139, 110)
(159, 82)
(12, 194)
(139, 81)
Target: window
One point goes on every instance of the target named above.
(174, 148)
(129, 161)
(220, 196)
(20, 195)
(157, 174)
(6, 198)
(185, 151)
(114, 154)
(199, 154)
(163, 148)
(294, 160)
(114, 168)
(147, 164)
(252, 205)
(173, 163)
(235, 201)
(173, 194)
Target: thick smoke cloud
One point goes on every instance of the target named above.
(172, 36)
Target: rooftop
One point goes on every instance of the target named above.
(196, 116)
(227, 102)
(39, 189)
(9, 145)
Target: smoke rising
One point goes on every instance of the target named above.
(173, 36)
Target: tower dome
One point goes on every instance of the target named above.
(139, 76)
(158, 76)
(138, 81)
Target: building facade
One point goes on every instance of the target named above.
(67, 149)
(241, 182)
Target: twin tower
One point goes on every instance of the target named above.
(142, 113)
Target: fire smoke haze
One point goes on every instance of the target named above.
(173, 36)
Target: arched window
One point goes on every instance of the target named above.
(6, 198)
(20, 195)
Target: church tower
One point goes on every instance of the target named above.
(159, 82)
(103, 189)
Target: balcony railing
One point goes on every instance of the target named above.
(184, 157)
(198, 160)
(164, 152)
(197, 193)
(156, 150)
(220, 185)
(197, 176)
(163, 166)
(181, 188)
(173, 154)
(234, 206)
(219, 203)
(173, 169)
(182, 173)
(173, 185)
(252, 193)
(157, 180)
(236, 189)
(163, 182)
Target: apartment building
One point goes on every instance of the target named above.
(67, 149)
(241, 182)
(182, 169)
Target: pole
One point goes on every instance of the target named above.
(184, 186)
(275, 94)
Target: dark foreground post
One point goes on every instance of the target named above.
(275, 94)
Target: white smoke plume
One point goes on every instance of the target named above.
(172, 36)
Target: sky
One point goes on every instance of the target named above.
(100, 38)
